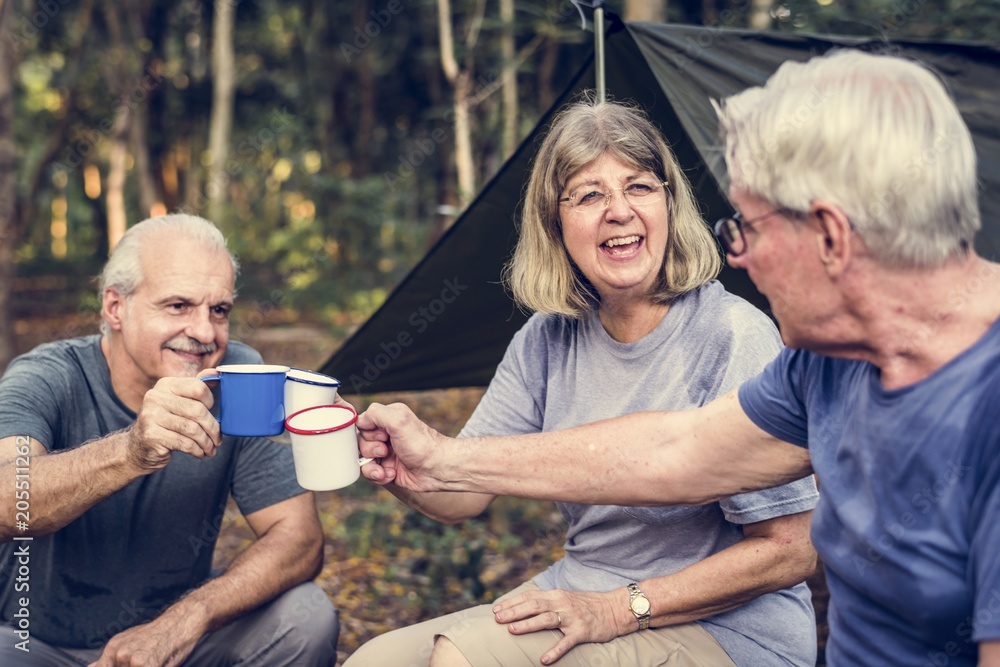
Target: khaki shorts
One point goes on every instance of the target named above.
(486, 643)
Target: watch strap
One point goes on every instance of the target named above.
(633, 593)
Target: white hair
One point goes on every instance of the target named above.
(877, 135)
(123, 272)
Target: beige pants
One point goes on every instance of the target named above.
(486, 643)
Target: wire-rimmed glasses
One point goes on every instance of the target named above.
(729, 231)
(588, 199)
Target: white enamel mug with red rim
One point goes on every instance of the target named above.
(325, 447)
(305, 389)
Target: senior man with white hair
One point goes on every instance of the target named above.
(855, 181)
(127, 477)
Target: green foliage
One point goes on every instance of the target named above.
(340, 153)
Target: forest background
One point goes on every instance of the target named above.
(333, 143)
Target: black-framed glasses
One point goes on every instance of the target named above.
(729, 231)
(592, 200)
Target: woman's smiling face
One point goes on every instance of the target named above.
(620, 248)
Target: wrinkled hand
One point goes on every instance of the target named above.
(159, 643)
(401, 444)
(583, 617)
(174, 418)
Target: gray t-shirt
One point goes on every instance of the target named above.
(558, 373)
(138, 550)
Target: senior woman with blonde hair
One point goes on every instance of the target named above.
(619, 266)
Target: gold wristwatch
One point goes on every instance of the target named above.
(638, 604)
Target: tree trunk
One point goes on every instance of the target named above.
(366, 115)
(508, 78)
(115, 198)
(461, 80)
(646, 10)
(149, 200)
(760, 14)
(221, 123)
(8, 186)
(463, 140)
(546, 73)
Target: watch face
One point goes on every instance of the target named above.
(640, 606)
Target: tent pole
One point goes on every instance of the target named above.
(599, 48)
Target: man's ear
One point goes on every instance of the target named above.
(113, 308)
(834, 239)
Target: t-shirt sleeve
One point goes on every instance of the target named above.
(792, 498)
(751, 355)
(264, 474)
(32, 396)
(774, 399)
(514, 402)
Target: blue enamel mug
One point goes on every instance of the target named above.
(251, 399)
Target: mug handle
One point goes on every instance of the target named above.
(213, 378)
(363, 461)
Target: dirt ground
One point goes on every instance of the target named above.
(385, 566)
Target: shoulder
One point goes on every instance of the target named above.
(742, 317)
(727, 323)
(70, 356)
(241, 353)
(543, 330)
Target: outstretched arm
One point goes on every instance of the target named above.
(691, 457)
(287, 552)
(65, 484)
(775, 554)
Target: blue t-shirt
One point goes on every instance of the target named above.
(908, 522)
(138, 550)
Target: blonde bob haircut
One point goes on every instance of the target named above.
(541, 276)
(877, 135)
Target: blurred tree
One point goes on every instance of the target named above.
(460, 78)
(760, 14)
(646, 10)
(221, 122)
(508, 79)
(8, 179)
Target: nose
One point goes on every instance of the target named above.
(200, 326)
(618, 207)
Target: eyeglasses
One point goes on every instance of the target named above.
(592, 201)
(729, 231)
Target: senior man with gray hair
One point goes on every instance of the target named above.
(855, 180)
(128, 476)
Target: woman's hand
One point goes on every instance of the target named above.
(581, 616)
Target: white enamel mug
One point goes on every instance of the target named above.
(325, 447)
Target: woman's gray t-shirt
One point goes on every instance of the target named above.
(559, 372)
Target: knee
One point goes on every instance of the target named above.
(446, 654)
(313, 625)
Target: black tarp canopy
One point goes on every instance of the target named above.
(449, 321)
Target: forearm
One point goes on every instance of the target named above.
(650, 458)
(726, 580)
(276, 562)
(58, 488)
(443, 506)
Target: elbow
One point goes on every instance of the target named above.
(806, 563)
(800, 561)
(315, 555)
(309, 552)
